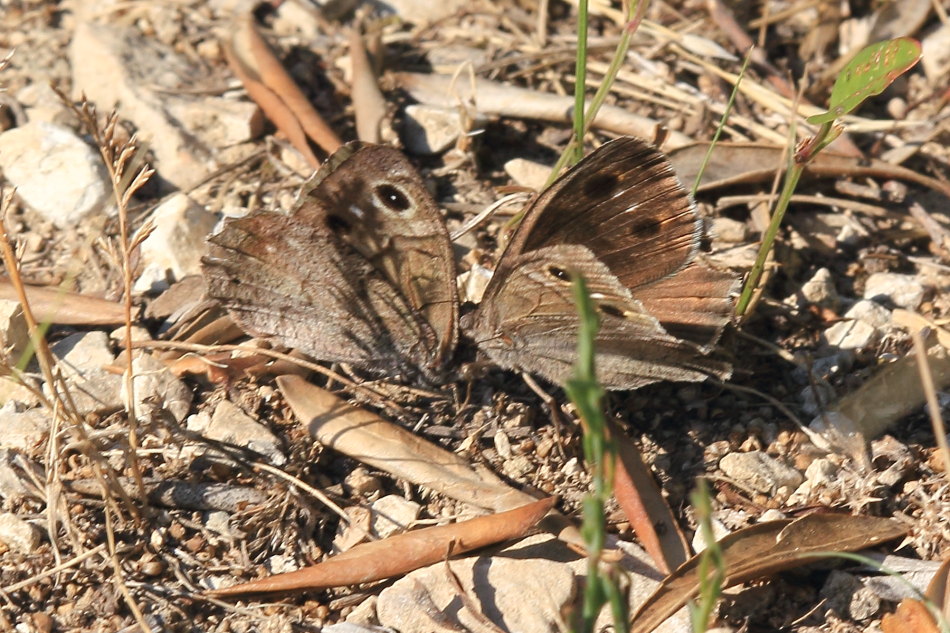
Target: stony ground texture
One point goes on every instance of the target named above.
(857, 249)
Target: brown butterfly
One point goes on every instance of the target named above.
(362, 272)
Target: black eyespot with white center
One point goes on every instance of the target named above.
(393, 198)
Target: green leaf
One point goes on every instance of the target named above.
(869, 73)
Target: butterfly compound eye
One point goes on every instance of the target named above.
(392, 198)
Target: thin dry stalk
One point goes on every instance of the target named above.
(122, 160)
(930, 393)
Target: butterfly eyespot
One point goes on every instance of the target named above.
(600, 184)
(559, 273)
(338, 225)
(392, 198)
(610, 310)
(646, 226)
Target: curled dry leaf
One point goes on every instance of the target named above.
(274, 90)
(645, 507)
(873, 407)
(366, 437)
(52, 305)
(401, 554)
(369, 105)
(764, 549)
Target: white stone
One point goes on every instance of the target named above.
(905, 291)
(820, 289)
(14, 483)
(173, 250)
(871, 312)
(230, 424)
(157, 389)
(760, 471)
(23, 430)
(526, 596)
(850, 334)
(422, 11)
(56, 174)
(14, 335)
(431, 129)
(719, 530)
(528, 173)
(218, 121)
(936, 52)
(19, 535)
(729, 231)
(116, 66)
(83, 358)
(42, 104)
(392, 514)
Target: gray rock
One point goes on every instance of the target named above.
(23, 430)
(850, 334)
(729, 231)
(392, 514)
(157, 390)
(118, 67)
(42, 104)
(523, 588)
(173, 250)
(14, 335)
(527, 173)
(816, 398)
(83, 358)
(904, 291)
(719, 532)
(431, 129)
(820, 289)
(516, 595)
(760, 471)
(871, 312)
(14, 482)
(19, 535)
(848, 596)
(230, 424)
(422, 11)
(37, 154)
(936, 51)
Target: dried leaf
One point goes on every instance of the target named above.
(646, 509)
(742, 163)
(888, 396)
(912, 616)
(51, 305)
(369, 104)
(368, 438)
(274, 90)
(765, 549)
(401, 554)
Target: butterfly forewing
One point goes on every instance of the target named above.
(360, 271)
(625, 204)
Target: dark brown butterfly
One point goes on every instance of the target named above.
(362, 272)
